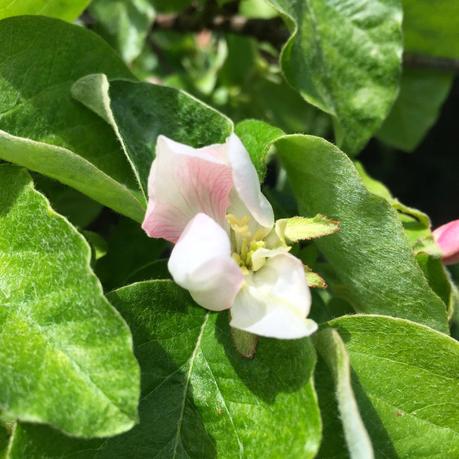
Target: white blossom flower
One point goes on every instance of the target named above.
(228, 251)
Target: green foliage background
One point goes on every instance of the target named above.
(101, 354)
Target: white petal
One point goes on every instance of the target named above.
(260, 256)
(247, 196)
(275, 301)
(184, 181)
(201, 263)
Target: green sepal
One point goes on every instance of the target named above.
(303, 228)
(313, 279)
(244, 342)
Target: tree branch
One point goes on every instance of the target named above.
(432, 62)
(272, 31)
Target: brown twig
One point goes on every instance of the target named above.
(433, 62)
(272, 31)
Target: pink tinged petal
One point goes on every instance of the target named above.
(275, 301)
(201, 263)
(247, 196)
(447, 238)
(184, 181)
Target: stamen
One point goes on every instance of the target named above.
(244, 243)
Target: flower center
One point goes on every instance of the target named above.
(243, 241)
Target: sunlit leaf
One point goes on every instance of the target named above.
(370, 254)
(62, 9)
(43, 128)
(65, 354)
(201, 399)
(405, 377)
(344, 58)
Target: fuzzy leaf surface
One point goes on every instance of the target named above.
(344, 58)
(139, 112)
(370, 254)
(331, 347)
(200, 398)
(405, 377)
(65, 354)
(43, 128)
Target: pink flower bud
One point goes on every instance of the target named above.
(447, 238)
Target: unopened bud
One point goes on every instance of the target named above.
(447, 238)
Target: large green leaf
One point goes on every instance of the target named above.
(406, 379)
(201, 399)
(344, 58)
(43, 128)
(370, 254)
(65, 354)
(139, 112)
(63, 9)
(422, 94)
(125, 23)
(257, 137)
(430, 27)
(332, 349)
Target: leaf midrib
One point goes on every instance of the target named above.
(85, 376)
(187, 382)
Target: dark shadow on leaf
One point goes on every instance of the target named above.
(382, 443)
(279, 366)
(162, 407)
(12, 181)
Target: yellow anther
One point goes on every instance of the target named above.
(244, 243)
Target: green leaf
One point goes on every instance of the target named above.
(416, 224)
(439, 279)
(257, 137)
(201, 399)
(372, 185)
(139, 112)
(129, 250)
(406, 379)
(97, 243)
(43, 128)
(430, 27)
(65, 354)
(78, 208)
(344, 58)
(258, 9)
(125, 23)
(333, 444)
(295, 229)
(68, 10)
(4, 439)
(332, 349)
(422, 94)
(370, 254)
